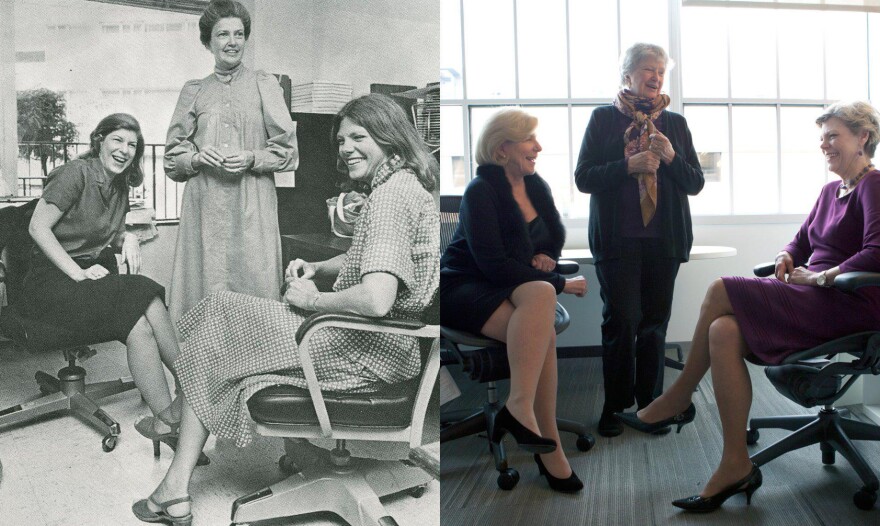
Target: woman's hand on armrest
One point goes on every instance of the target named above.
(543, 262)
(784, 265)
(576, 285)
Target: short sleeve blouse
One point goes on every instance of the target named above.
(93, 207)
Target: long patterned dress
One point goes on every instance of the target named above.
(228, 237)
(235, 345)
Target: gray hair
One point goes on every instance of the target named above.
(858, 117)
(638, 52)
(511, 124)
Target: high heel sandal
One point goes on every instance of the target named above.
(525, 437)
(144, 513)
(572, 484)
(699, 504)
(147, 428)
(659, 428)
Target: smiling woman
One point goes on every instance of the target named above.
(230, 131)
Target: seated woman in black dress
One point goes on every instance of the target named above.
(73, 282)
(497, 278)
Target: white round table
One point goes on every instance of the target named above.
(583, 255)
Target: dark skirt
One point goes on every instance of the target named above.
(778, 319)
(467, 302)
(94, 311)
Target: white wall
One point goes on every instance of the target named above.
(380, 41)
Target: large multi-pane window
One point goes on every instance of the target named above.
(750, 81)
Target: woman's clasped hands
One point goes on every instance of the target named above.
(235, 163)
(301, 291)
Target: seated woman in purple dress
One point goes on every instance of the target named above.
(771, 318)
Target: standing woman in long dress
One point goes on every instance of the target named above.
(230, 132)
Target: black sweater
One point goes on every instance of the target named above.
(601, 172)
(492, 240)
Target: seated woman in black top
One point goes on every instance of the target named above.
(73, 281)
(497, 278)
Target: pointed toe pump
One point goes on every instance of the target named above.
(748, 485)
(572, 484)
(525, 437)
(661, 427)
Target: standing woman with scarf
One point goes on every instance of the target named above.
(229, 133)
(638, 162)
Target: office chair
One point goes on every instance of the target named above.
(337, 482)
(810, 378)
(68, 391)
(488, 364)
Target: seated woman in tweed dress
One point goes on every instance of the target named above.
(235, 345)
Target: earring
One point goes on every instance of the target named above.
(860, 153)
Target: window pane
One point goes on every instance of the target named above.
(752, 53)
(708, 125)
(846, 52)
(704, 52)
(873, 42)
(800, 54)
(803, 166)
(489, 52)
(554, 163)
(755, 172)
(541, 48)
(580, 116)
(644, 21)
(450, 50)
(594, 53)
(453, 177)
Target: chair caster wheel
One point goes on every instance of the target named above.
(508, 479)
(585, 442)
(287, 465)
(108, 444)
(827, 454)
(752, 436)
(417, 491)
(864, 499)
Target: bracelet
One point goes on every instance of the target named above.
(313, 305)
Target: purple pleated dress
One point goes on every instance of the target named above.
(778, 319)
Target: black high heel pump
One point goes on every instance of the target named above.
(525, 437)
(572, 484)
(658, 428)
(699, 504)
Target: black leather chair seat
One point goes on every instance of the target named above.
(289, 405)
(34, 335)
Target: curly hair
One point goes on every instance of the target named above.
(219, 9)
(509, 124)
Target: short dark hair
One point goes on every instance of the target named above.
(134, 174)
(219, 9)
(389, 126)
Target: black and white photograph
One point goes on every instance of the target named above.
(219, 228)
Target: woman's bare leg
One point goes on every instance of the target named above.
(525, 323)
(166, 339)
(175, 484)
(733, 393)
(545, 412)
(145, 364)
(676, 399)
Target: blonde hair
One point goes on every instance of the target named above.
(511, 124)
(858, 117)
(638, 52)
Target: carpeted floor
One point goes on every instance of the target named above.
(631, 479)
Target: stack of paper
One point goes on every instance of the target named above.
(320, 96)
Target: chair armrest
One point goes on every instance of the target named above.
(316, 322)
(851, 281)
(565, 266)
(762, 270)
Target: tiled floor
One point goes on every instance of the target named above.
(55, 473)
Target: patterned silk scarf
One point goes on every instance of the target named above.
(636, 139)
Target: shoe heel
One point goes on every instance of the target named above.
(156, 451)
(678, 430)
(187, 521)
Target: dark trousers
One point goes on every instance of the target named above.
(636, 292)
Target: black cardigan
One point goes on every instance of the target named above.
(601, 172)
(492, 240)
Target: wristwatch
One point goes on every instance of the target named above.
(822, 280)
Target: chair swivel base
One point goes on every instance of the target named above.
(833, 433)
(483, 421)
(350, 490)
(69, 392)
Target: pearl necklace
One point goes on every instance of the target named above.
(847, 186)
